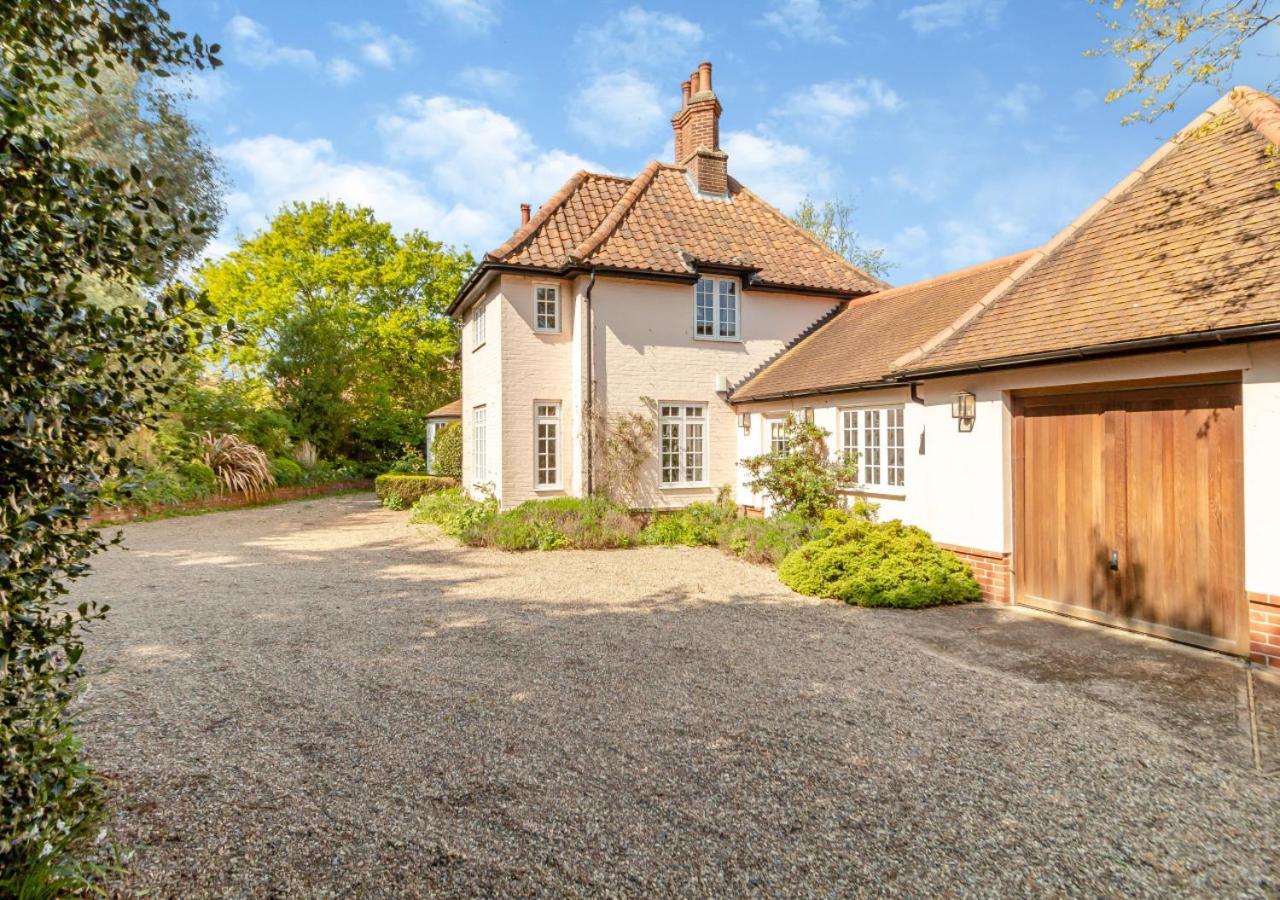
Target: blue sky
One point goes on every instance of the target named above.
(961, 129)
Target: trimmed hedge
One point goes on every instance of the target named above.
(446, 451)
(879, 564)
(406, 489)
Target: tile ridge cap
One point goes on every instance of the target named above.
(530, 228)
(593, 241)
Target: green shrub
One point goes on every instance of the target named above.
(408, 488)
(697, 524)
(802, 477)
(446, 451)
(879, 564)
(287, 471)
(590, 523)
(767, 541)
(200, 480)
(453, 511)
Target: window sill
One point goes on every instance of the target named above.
(685, 485)
(548, 488)
(718, 340)
(551, 331)
(875, 491)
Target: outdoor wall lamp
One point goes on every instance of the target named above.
(964, 409)
(808, 415)
(744, 422)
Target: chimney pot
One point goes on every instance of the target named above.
(524, 213)
(684, 95)
(704, 76)
(694, 85)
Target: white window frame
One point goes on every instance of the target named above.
(720, 290)
(478, 325)
(538, 290)
(878, 434)
(479, 444)
(688, 427)
(771, 442)
(546, 413)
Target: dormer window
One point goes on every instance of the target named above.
(716, 309)
(546, 308)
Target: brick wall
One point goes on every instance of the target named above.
(991, 570)
(1264, 629)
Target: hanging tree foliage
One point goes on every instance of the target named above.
(75, 378)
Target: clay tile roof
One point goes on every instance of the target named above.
(656, 223)
(448, 411)
(859, 343)
(1187, 244)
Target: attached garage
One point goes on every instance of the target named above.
(1129, 508)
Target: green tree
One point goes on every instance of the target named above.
(801, 476)
(345, 321)
(832, 224)
(75, 379)
(1169, 46)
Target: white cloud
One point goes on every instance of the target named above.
(1017, 103)
(276, 170)
(471, 16)
(486, 80)
(947, 15)
(376, 46)
(781, 173)
(205, 90)
(484, 161)
(637, 38)
(832, 105)
(802, 20)
(252, 43)
(619, 110)
(342, 71)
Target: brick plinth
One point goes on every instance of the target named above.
(990, 568)
(1264, 629)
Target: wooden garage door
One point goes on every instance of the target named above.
(1129, 509)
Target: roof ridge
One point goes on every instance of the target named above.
(610, 176)
(638, 186)
(813, 327)
(530, 228)
(876, 282)
(1259, 109)
(1064, 236)
(953, 275)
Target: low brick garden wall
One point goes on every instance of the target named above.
(122, 514)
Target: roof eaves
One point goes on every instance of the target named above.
(1063, 237)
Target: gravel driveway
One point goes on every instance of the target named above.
(319, 698)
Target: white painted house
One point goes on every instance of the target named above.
(1091, 424)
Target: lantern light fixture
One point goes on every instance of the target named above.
(808, 415)
(964, 409)
(744, 422)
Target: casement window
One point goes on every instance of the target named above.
(477, 325)
(479, 465)
(684, 443)
(877, 437)
(546, 449)
(716, 309)
(546, 308)
(778, 440)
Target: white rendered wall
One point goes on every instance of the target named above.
(482, 385)
(1261, 391)
(644, 348)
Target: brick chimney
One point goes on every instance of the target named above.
(697, 128)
